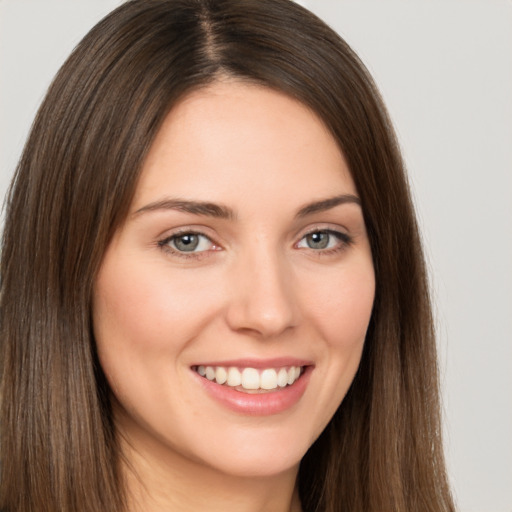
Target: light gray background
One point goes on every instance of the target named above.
(445, 70)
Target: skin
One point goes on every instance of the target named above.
(254, 288)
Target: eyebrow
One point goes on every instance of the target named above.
(220, 211)
(195, 207)
(327, 204)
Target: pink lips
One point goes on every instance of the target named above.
(258, 404)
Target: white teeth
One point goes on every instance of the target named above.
(282, 378)
(234, 377)
(251, 378)
(221, 375)
(268, 379)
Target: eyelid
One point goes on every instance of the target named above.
(325, 228)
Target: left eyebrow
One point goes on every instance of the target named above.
(327, 204)
(194, 207)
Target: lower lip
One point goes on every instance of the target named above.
(258, 404)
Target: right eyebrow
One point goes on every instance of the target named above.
(195, 207)
(326, 204)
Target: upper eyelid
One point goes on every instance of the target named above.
(322, 228)
(341, 235)
(174, 232)
(327, 227)
(177, 234)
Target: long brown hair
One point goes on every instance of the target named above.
(74, 183)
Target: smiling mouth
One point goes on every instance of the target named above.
(251, 380)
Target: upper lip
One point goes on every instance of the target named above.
(278, 362)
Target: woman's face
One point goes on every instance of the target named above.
(231, 307)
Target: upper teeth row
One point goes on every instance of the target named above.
(250, 378)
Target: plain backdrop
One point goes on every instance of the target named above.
(445, 70)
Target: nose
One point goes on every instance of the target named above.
(262, 301)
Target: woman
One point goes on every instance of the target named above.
(213, 291)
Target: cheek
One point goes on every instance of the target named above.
(339, 311)
(342, 307)
(139, 306)
(131, 325)
(143, 318)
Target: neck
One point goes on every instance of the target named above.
(157, 482)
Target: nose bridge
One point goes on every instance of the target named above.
(262, 301)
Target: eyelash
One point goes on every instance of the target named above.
(345, 241)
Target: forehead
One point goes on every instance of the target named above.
(235, 139)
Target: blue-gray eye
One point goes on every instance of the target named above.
(189, 242)
(320, 240)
